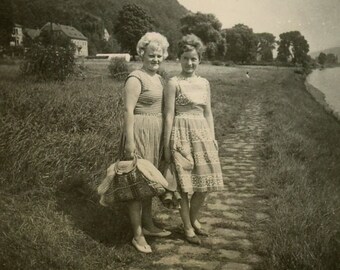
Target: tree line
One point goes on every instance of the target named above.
(327, 59)
(238, 44)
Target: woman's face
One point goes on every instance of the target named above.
(189, 62)
(152, 58)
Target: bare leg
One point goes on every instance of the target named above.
(189, 232)
(196, 203)
(135, 211)
(147, 216)
(185, 212)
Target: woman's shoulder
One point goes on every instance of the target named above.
(204, 80)
(136, 73)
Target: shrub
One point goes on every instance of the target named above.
(217, 63)
(49, 62)
(118, 68)
(229, 63)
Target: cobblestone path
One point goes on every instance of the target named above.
(232, 217)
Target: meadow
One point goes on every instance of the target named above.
(57, 139)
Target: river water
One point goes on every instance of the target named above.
(328, 82)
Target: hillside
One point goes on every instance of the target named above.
(90, 17)
(334, 50)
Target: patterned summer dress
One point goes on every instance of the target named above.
(191, 138)
(148, 123)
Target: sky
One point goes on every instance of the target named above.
(317, 20)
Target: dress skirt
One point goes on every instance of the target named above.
(148, 137)
(192, 142)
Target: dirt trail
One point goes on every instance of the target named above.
(232, 217)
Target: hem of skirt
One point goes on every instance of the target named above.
(209, 189)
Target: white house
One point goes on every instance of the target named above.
(69, 31)
(17, 35)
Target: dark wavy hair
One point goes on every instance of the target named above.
(190, 42)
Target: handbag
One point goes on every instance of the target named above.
(128, 180)
(171, 198)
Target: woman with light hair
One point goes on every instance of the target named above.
(189, 137)
(143, 124)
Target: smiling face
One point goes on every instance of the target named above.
(152, 58)
(189, 62)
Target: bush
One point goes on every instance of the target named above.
(217, 63)
(229, 63)
(49, 62)
(118, 68)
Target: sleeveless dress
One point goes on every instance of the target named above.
(148, 124)
(194, 149)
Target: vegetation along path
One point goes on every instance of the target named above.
(229, 216)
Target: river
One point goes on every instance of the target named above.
(328, 82)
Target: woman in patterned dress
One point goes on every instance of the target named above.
(189, 137)
(143, 124)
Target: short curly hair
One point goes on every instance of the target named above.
(190, 42)
(152, 38)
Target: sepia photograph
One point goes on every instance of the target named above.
(170, 134)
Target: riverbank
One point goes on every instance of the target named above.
(321, 97)
(57, 140)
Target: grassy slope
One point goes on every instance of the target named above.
(302, 176)
(58, 139)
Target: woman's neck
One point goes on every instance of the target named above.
(188, 75)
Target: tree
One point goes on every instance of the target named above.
(50, 57)
(322, 58)
(331, 58)
(265, 45)
(6, 23)
(132, 23)
(294, 46)
(241, 43)
(208, 28)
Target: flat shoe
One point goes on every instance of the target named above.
(163, 233)
(201, 232)
(144, 249)
(193, 239)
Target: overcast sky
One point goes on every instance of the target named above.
(317, 20)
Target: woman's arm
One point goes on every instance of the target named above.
(208, 113)
(131, 93)
(169, 112)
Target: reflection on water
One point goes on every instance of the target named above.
(328, 82)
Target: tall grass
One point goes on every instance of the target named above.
(56, 141)
(301, 174)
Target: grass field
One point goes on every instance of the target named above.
(57, 139)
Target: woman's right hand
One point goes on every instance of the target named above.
(129, 150)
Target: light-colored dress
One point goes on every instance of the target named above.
(191, 138)
(148, 124)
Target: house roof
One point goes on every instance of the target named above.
(69, 31)
(32, 33)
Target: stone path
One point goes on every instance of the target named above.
(232, 217)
